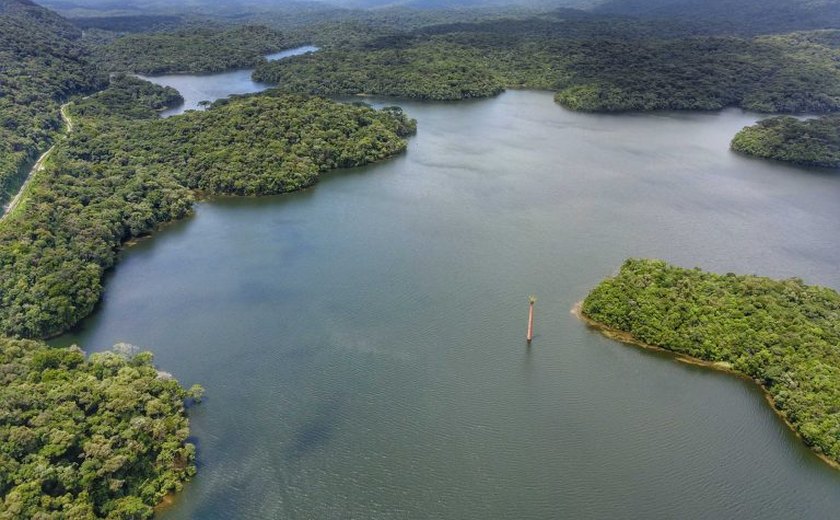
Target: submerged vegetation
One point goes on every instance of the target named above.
(116, 178)
(88, 437)
(784, 334)
(814, 142)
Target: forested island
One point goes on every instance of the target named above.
(783, 334)
(813, 142)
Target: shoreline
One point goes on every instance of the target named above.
(720, 366)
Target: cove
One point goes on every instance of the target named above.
(210, 87)
(362, 342)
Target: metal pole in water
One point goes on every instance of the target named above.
(531, 301)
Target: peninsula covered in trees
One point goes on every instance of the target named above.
(82, 437)
(813, 142)
(116, 178)
(783, 334)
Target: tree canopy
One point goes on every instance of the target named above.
(782, 333)
(813, 142)
(42, 63)
(592, 68)
(82, 437)
(190, 50)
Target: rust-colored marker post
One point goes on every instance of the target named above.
(531, 301)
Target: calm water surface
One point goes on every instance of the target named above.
(211, 87)
(362, 342)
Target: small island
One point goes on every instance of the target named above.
(783, 334)
(813, 142)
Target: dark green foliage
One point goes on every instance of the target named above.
(103, 437)
(273, 143)
(114, 179)
(784, 334)
(128, 23)
(624, 72)
(425, 71)
(41, 64)
(735, 16)
(195, 50)
(815, 142)
(767, 75)
(129, 97)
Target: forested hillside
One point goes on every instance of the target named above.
(116, 178)
(784, 334)
(194, 50)
(41, 64)
(795, 73)
(735, 16)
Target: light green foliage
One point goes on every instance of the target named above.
(784, 334)
(102, 437)
(195, 50)
(815, 142)
(115, 178)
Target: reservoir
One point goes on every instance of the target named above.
(210, 87)
(362, 343)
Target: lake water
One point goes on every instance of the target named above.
(362, 342)
(211, 87)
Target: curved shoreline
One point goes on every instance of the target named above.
(628, 339)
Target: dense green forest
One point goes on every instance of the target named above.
(129, 97)
(734, 16)
(784, 334)
(192, 50)
(84, 438)
(115, 178)
(815, 142)
(42, 63)
(427, 70)
(793, 73)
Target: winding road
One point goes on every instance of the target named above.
(39, 164)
